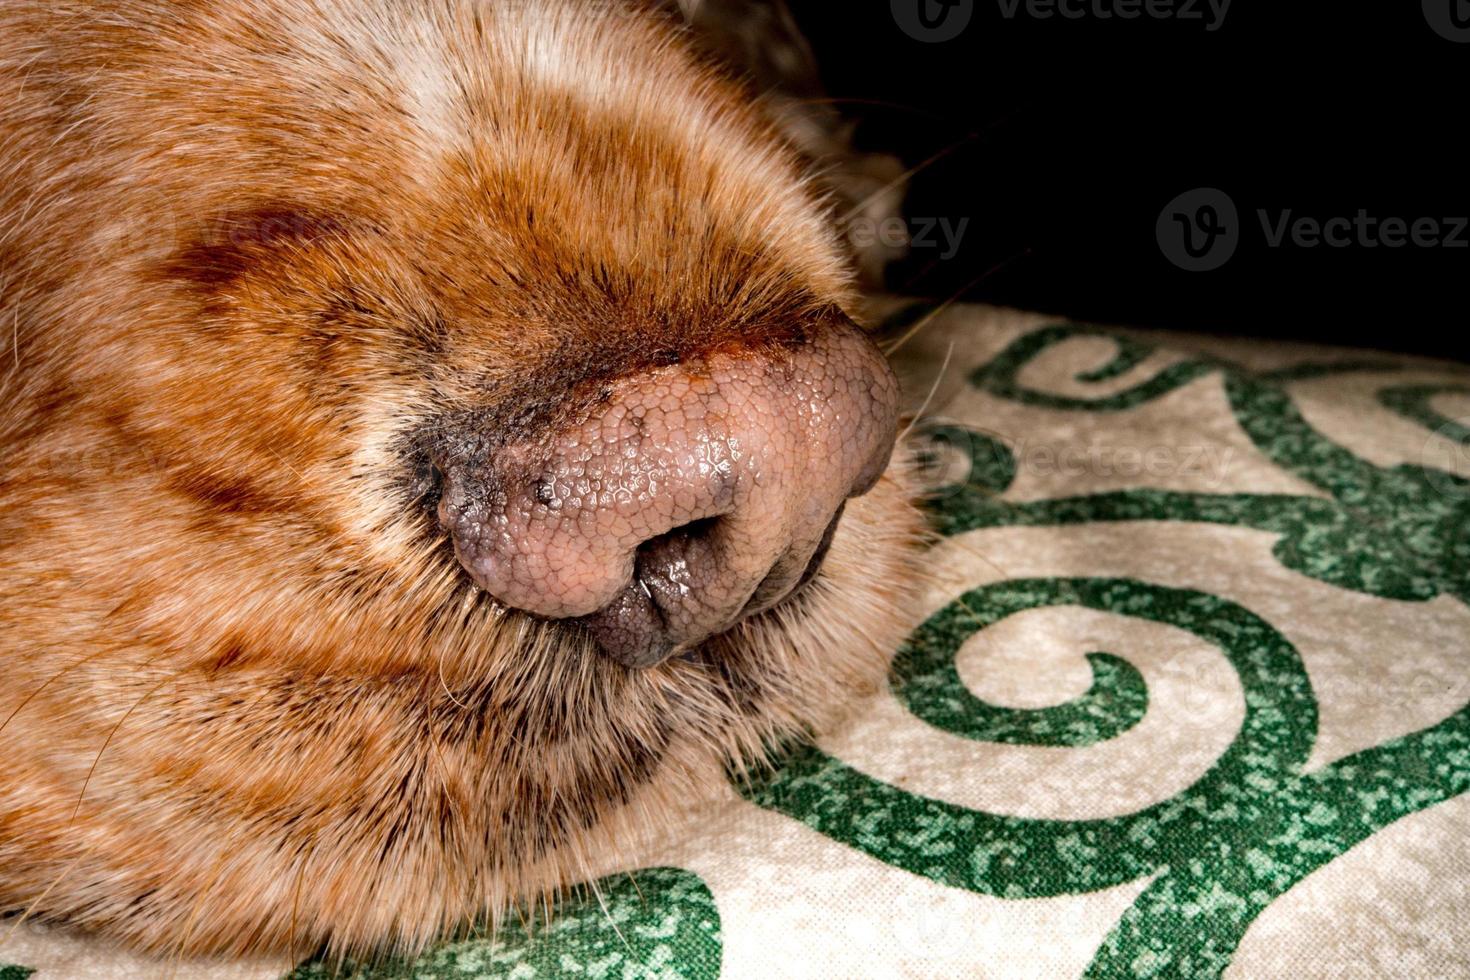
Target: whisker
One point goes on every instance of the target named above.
(967, 546)
(971, 137)
(904, 177)
(633, 877)
(521, 914)
(47, 684)
(954, 298)
(879, 103)
(933, 390)
(10, 933)
(443, 768)
(285, 462)
(607, 914)
(295, 909)
(199, 901)
(445, 684)
(108, 741)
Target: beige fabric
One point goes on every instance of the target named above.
(1323, 761)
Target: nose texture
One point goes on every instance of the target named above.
(693, 496)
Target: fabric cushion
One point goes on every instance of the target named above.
(1189, 698)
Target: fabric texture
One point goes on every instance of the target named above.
(1190, 698)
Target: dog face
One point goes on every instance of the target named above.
(436, 447)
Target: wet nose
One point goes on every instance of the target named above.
(692, 496)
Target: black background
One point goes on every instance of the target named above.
(1067, 137)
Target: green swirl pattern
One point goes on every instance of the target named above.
(1254, 824)
(926, 682)
(1414, 402)
(654, 924)
(1244, 833)
(1208, 860)
(1397, 533)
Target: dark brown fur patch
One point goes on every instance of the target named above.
(229, 246)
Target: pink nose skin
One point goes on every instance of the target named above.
(696, 495)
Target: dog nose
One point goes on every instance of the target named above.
(689, 497)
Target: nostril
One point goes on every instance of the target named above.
(642, 626)
(670, 564)
(693, 531)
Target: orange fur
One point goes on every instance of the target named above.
(246, 246)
